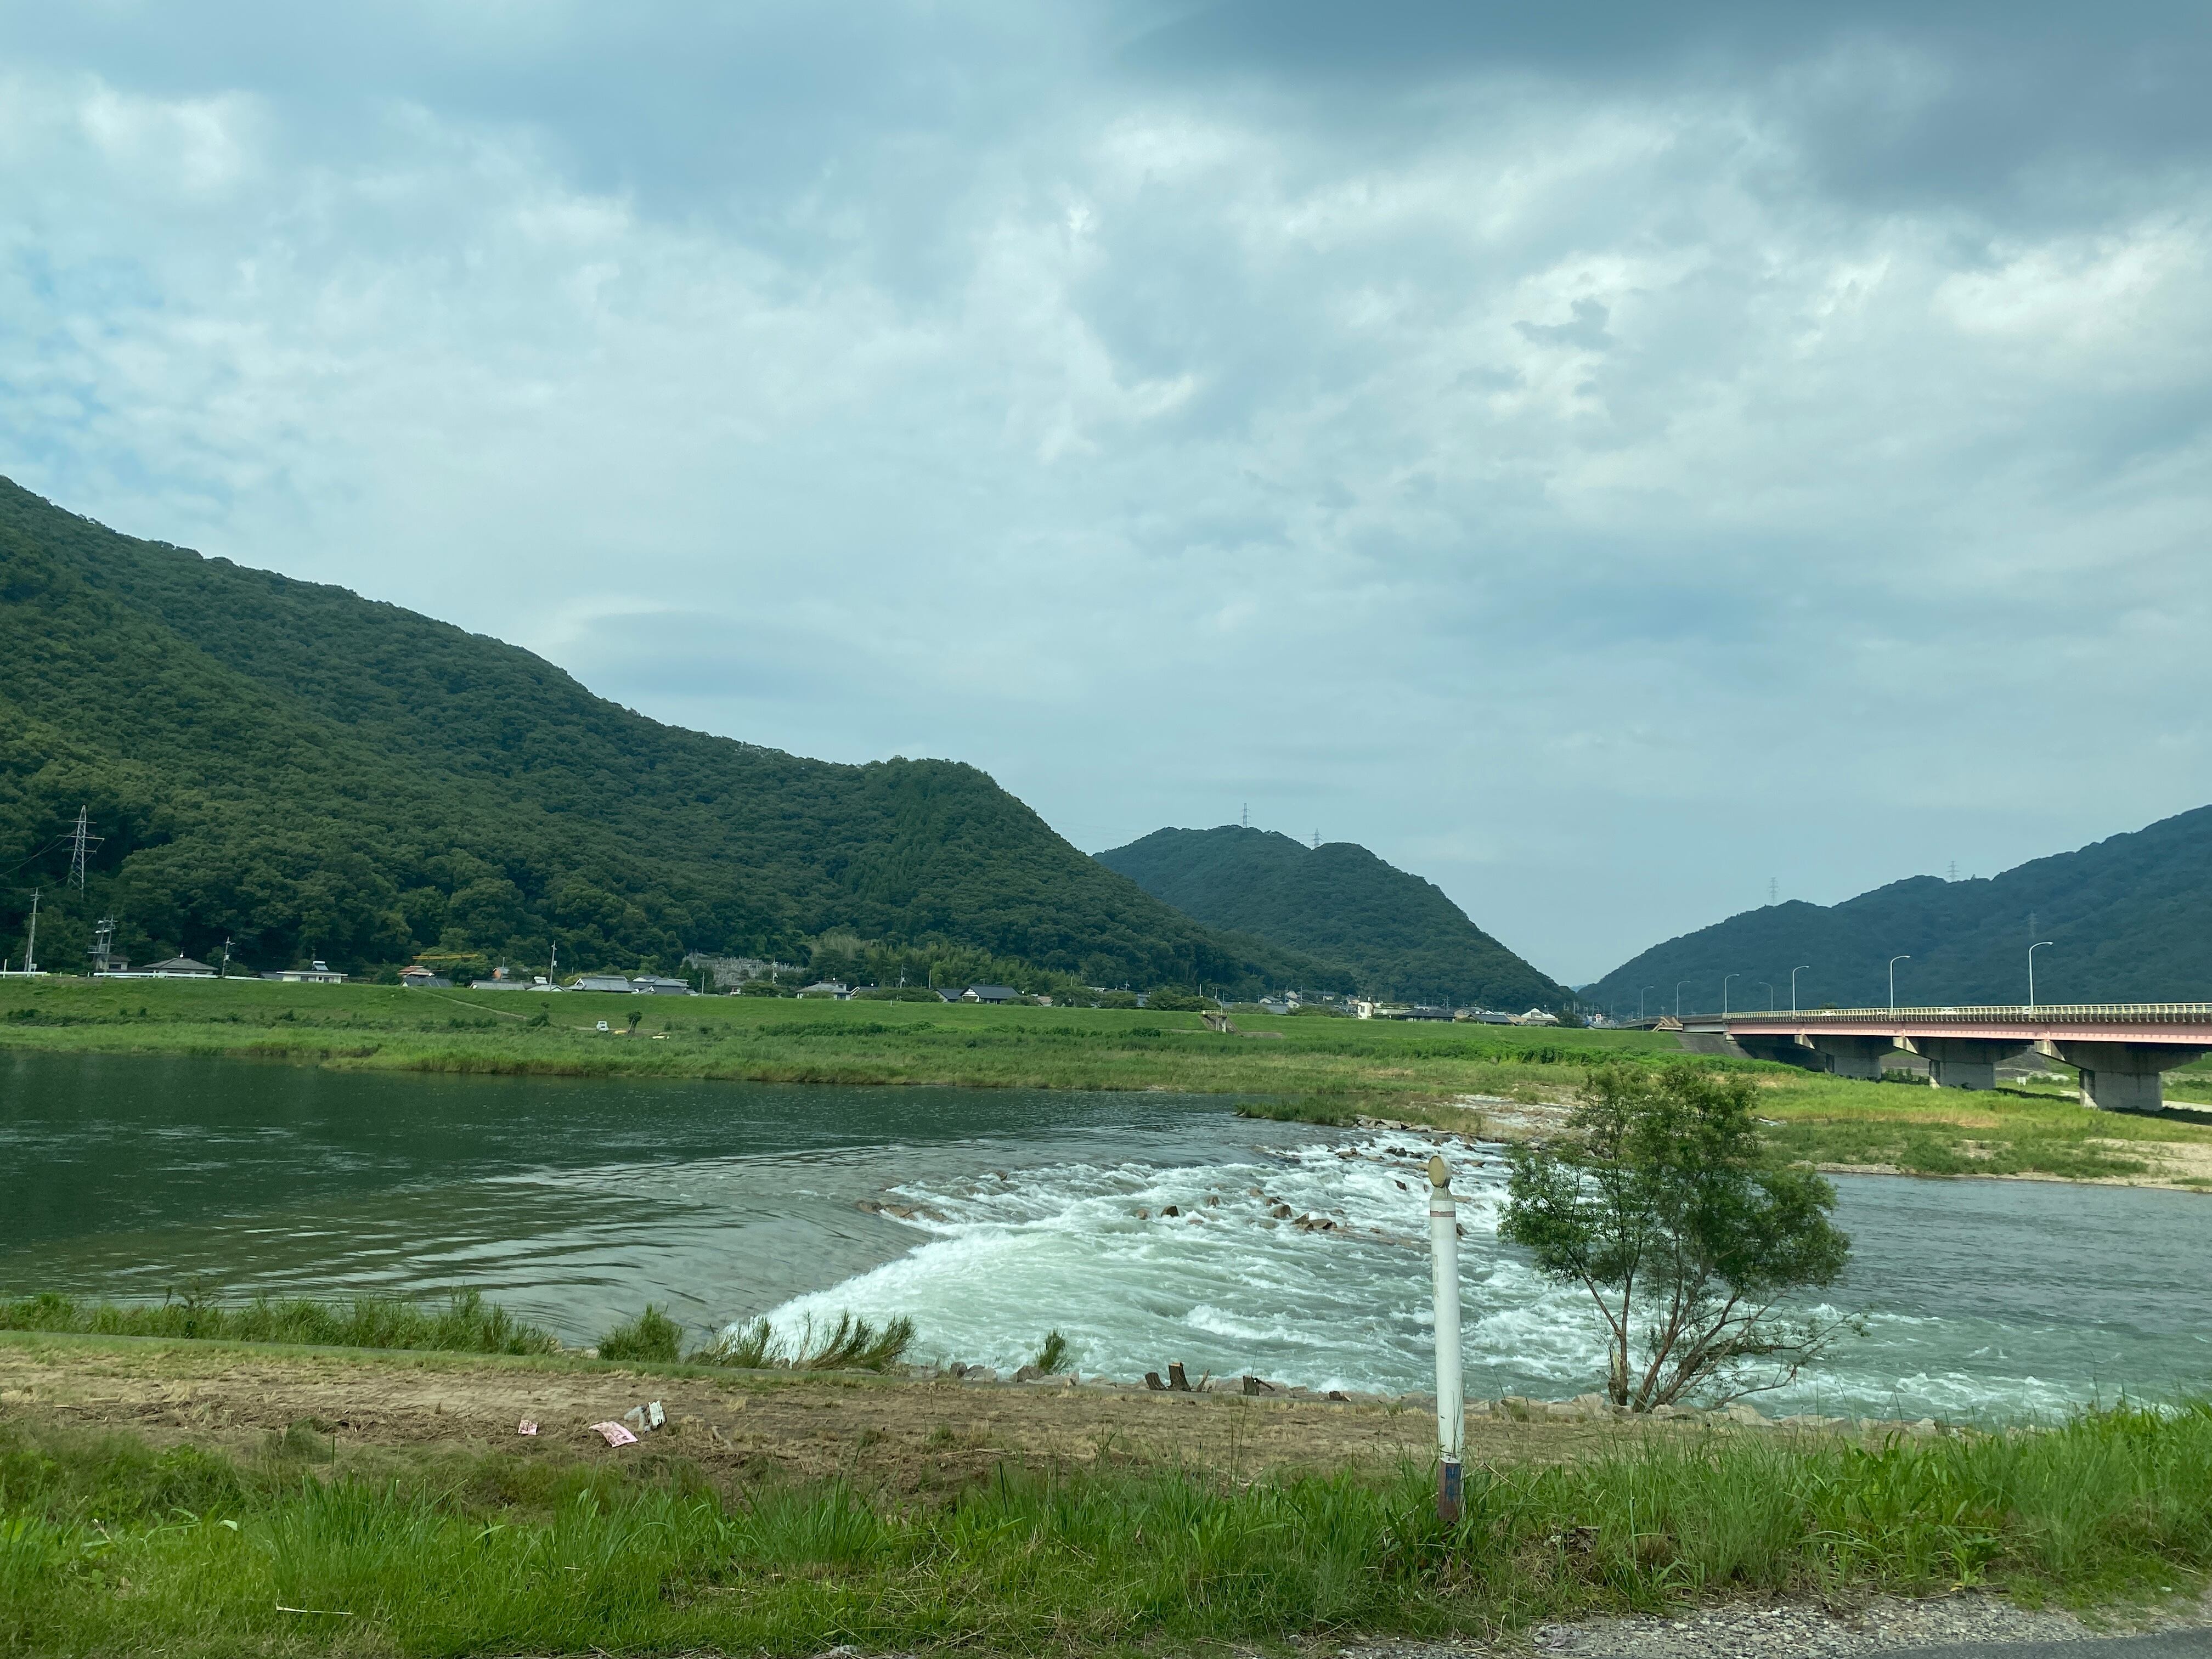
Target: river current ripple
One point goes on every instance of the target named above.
(991, 1216)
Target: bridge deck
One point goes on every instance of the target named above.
(2187, 1025)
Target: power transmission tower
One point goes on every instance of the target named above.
(82, 841)
(1773, 889)
(1316, 841)
(1246, 818)
(1954, 869)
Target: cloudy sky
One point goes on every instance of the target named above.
(1603, 462)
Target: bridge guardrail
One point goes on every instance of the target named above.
(2054, 1013)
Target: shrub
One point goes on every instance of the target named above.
(652, 1335)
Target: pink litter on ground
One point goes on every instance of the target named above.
(525, 1427)
(616, 1434)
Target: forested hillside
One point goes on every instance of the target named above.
(2130, 919)
(308, 773)
(1400, 936)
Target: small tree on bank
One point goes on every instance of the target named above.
(1687, 1231)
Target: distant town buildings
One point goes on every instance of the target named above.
(320, 973)
(174, 968)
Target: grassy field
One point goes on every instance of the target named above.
(108, 1545)
(785, 1041)
(1323, 1070)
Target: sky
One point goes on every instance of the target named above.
(1605, 459)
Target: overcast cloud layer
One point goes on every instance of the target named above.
(1596, 463)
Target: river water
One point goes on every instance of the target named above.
(574, 1202)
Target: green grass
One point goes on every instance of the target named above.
(767, 1040)
(1934, 1132)
(651, 1336)
(1326, 1071)
(851, 1344)
(465, 1323)
(108, 1547)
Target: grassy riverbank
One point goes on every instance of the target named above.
(1319, 1069)
(784, 1040)
(108, 1544)
(464, 1323)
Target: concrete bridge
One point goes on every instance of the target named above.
(2122, 1048)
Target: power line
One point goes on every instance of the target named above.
(36, 856)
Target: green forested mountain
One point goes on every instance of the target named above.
(1400, 936)
(309, 773)
(2130, 919)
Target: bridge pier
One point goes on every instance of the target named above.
(2122, 1077)
(1783, 1050)
(1964, 1062)
(1854, 1056)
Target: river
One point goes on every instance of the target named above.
(574, 1202)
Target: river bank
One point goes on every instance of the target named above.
(1333, 1070)
(206, 1498)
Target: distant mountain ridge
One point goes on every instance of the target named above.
(1400, 935)
(2129, 919)
(308, 773)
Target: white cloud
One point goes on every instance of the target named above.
(1559, 487)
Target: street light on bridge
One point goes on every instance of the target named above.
(1769, 997)
(1794, 972)
(1725, 978)
(1894, 961)
(1678, 984)
(1639, 1002)
(2032, 950)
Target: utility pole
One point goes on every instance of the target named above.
(103, 943)
(31, 948)
(82, 841)
(223, 972)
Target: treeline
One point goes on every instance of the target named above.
(2128, 919)
(307, 774)
(1400, 937)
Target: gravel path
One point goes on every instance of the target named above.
(1951, 1627)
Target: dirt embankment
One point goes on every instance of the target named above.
(911, 1433)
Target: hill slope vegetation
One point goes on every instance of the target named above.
(1399, 934)
(308, 772)
(2130, 919)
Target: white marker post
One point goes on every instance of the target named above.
(1443, 1260)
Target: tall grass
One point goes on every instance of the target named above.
(849, 1345)
(466, 1323)
(651, 1335)
(192, 1554)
